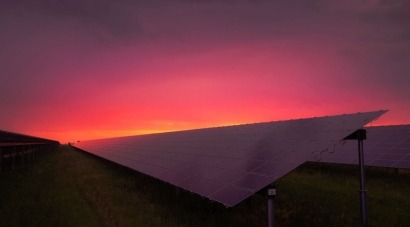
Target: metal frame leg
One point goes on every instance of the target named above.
(271, 206)
(363, 191)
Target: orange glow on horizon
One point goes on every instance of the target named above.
(169, 126)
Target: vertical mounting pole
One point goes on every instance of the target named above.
(271, 206)
(363, 191)
(360, 135)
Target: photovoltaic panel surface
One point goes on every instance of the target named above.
(228, 164)
(385, 146)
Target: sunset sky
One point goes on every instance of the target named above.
(82, 69)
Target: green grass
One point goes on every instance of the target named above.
(70, 188)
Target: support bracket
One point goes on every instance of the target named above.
(360, 135)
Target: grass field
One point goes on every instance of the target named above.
(70, 188)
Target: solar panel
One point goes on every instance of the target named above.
(10, 138)
(385, 146)
(228, 164)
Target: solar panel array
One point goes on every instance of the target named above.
(385, 146)
(10, 138)
(15, 145)
(228, 164)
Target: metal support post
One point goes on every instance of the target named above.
(363, 191)
(360, 135)
(271, 206)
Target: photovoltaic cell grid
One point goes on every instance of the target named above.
(385, 146)
(228, 164)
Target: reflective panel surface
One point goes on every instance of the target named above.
(228, 164)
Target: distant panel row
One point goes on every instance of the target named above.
(385, 146)
(12, 138)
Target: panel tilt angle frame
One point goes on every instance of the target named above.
(360, 135)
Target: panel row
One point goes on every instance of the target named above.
(229, 164)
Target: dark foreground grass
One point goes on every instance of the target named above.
(70, 188)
